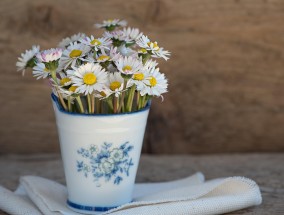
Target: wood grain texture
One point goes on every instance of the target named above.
(226, 71)
(269, 175)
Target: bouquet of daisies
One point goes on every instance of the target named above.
(114, 73)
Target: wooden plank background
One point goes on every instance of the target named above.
(226, 72)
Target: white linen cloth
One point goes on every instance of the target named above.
(190, 196)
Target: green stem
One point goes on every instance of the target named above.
(142, 101)
(115, 104)
(53, 76)
(95, 54)
(137, 100)
(89, 103)
(122, 96)
(61, 99)
(98, 105)
(102, 106)
(93, 103)
(146, 100)
(78, 99)
(110, 104)
(145, 58)
(123, 108)
(69, 104)
(130, 99)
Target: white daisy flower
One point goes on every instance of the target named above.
(26, 59)
(104, 93)
(111, 55)
(131, 34)
(114, 54)
(99, 43)
(74, 38)
(70, 72)
(144, 42)
(161, 53)
(111, 24)
(72, 91)
(117, 37)
(128, 65)
(150, 65)
(49, 55)
(156, 84)
(102, 57)
(91, 57)
(142, 51)
(153, 47)
(40, 71)
(89, 78)
(64, 80)
(126, 51)
(72, 54)
(115, 84)
(140, 79)
(65, 93)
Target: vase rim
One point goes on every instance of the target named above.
(55, 100)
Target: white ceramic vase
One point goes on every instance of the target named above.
(100, 155)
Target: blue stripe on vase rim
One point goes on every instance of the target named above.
(54, 98)
(90, 208)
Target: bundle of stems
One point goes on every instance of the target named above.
(128, 101)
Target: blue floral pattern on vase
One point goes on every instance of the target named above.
(106, 163)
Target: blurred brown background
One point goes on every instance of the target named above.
(226, 72)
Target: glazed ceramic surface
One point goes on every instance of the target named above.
(100, 155)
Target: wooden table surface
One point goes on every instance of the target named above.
(266, 169)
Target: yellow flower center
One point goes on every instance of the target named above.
(90, 78)
(153, 81)
(96, 42)
(138, 76)
(127, 68)
(144, 51)
(115, 85)
(103, 58)
(63, 81)
(110, 20)
(75, 53)
(72, 88)
(46, 70)
(154, 45)
(103, 94)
